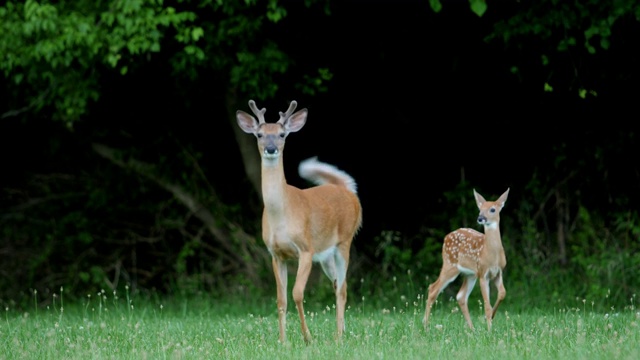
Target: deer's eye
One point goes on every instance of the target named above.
(492, 210)
(282, 135)
(259, 135)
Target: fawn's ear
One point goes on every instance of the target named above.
(503, 198)
(479, 199)
(296, 121)
(247, 123)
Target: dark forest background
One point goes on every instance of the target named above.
(122, 164)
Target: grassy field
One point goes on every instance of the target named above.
(105, 326)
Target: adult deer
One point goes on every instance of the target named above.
(316, 224)
(476, 256)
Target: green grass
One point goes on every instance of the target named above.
(108, 327)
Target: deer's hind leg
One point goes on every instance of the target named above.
(335, 267)
(447, 275)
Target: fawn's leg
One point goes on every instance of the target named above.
(447, 275)
(488, 310)
(463, 297)
(502, 292)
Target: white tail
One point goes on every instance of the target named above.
(311, 225)
(476, 256)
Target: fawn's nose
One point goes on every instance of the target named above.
(482, 219)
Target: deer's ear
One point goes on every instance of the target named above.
(247, 123)
(479, 199)
(296, 121)
(503, 198)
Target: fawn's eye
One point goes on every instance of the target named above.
(282, 135)
(492, 210)
(258, 135)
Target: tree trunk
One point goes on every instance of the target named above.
(246, 144)
(561, 216)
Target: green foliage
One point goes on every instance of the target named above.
(53, 50)
(565, 29)
(602, 258)
(93, 277)
(395, 254)
(563, 23)
(436, 5)
(253, 72)
(478, 7)
(58, 54)
(275, 12)
(315, 84)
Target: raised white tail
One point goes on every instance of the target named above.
(476, 256)
(311, 225)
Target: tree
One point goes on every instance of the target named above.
(56, 54)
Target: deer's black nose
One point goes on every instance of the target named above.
(271, 149)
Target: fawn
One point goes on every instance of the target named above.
(476, 256)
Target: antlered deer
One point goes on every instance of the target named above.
(476, 256)
(316, 224)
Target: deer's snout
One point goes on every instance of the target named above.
(271, 149)
(271, 144)
(482, 219)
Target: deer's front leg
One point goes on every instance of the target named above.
(488, 310)
(502, 292)
(280, 272)
(305, 262)
(463, 298)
